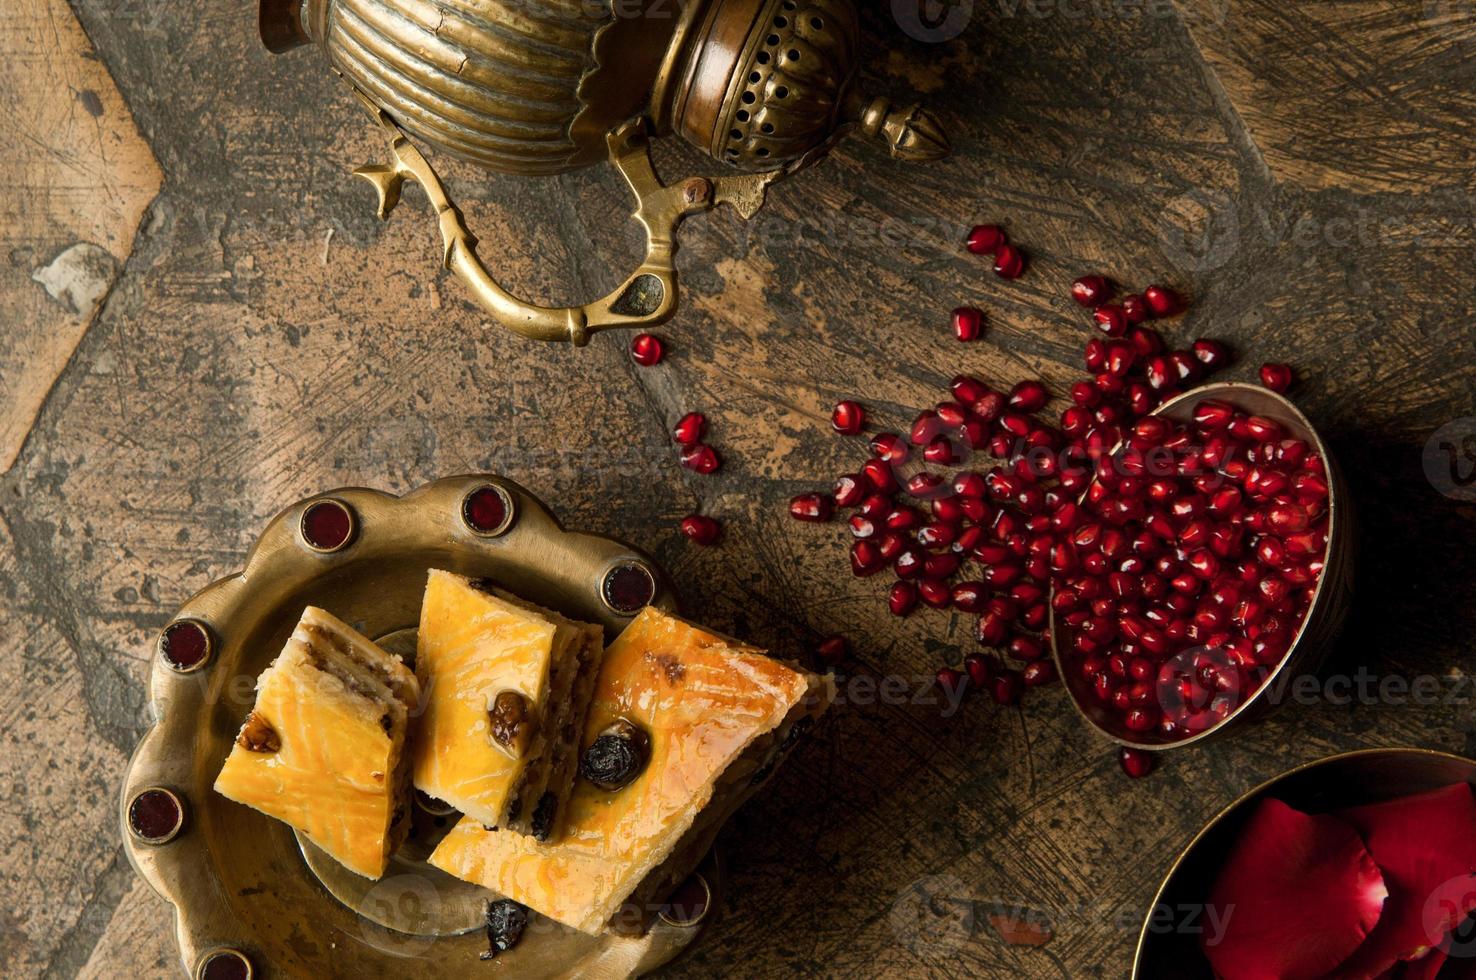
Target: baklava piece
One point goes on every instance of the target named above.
(506, 687)
(683, 727)
(323, 749)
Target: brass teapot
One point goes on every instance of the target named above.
(548, 86)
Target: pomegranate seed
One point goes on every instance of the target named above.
(875, 507)
(968, 390)
(701, 529)
(833, 650)
(902, 599)
(940, 451)
(1135, 762)
(889, 447)
(1026, 648)
(862, 526)
(1028, 396)
(879, 475)
(986, 239)
(851, 489)
(980, 669)
(1211, 353)
(1162, 301)
(701, 459)
(934, 593)
(1277, 377)
(969, 597)
(690, 429)
(1213, 415)
(646, 349)
(925, 428)
(950, 680)
(1091, 291)
(866, 558)
(1111, 320)
(815, 507)
(940, 566)
(904, 518)
(925, 485)
(890, 545)
(968, 323)
(1096, 355)
(847, 418)
(1009, 262)
(1038, 673)
(1005, 688)
(1135, 308)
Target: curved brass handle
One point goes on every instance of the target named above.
(648, 296)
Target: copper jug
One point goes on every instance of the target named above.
(548, 86)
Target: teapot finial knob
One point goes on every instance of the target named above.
(911, 133)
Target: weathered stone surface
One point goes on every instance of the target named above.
(77, 179)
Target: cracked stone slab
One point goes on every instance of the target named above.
(1368, 96)
(78, 177)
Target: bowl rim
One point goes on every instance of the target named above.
(1319, 596)
(1263, 787)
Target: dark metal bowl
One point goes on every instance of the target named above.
(1330, 604)
(1168, 945)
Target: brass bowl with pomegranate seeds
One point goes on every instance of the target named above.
(1206, 578)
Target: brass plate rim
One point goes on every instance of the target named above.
(183, 871)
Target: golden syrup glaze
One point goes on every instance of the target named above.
(701, 700)
(471, 647)
(333, 776)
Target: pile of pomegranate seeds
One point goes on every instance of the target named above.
(1184, 576)
(1241, 512)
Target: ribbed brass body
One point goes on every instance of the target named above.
(517, 86)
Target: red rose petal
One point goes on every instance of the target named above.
(1425, 845)
(1297, 895)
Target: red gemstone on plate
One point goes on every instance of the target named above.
(484, 510)
(185, 644)
(225, 964)
(646, 349)
(628, 588)
(327, 525)
(155, 815)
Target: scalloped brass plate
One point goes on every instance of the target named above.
(237, 879)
